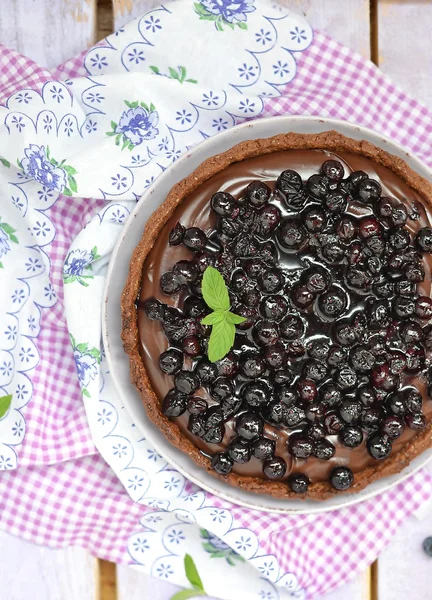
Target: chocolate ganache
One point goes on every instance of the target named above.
(345, 436)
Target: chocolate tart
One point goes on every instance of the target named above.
(399, 367)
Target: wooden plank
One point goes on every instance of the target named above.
(106, 580)
(404, 51)
(125, 10)
(30, 571)
(49, 31)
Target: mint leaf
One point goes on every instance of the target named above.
(192, 572)
(5, 402)
(185, 594)
(234, 319)
(221, 340)
(214, 290)
(154, 69)
(215, 317)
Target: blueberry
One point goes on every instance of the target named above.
(295, 349)
(413, 400)
(176, 234)
(378, 314)
(230, 227)
(341, 478)
(291, 234)
(314, 219)
(415, 358)
(290, 184)
(169, 283)
(174, 403)
(393, 427)
(170, 361)
(185, 272)
(416, 421)
(294, 416)
(333, 170)
(316, 280)
(410, 332)
(315, 370)
(299, 483)
(213, 417)
(319, 349)
(263, 448)
(240, 282)
(397, 405)
(379, 446)
(228, 365)
(329, 395)
(257, 193)
(249, 313)
(355, 253)
(223, 204)
(333, 252)
(266, 332)
(384, 379)
(256, 393)
(316, 431)
(399, 215)
(333, 423)
(383, 288)
(274, 412)
(269, 253)
(324, 450)
(230, 406)
(332, 303)
(195, 307)
(222, 388)
(399, 239)
(196, 425)
(194, 238)
(197, 405)
(274, 468)
(384, 206)
(423, 307)
(357, 177)
(346, 378)
(271, 281)
(336, 356)
(315, 412)
(301, 296)
(274, 307)
(350, 411)
(369, 191)
(286, 394)
(203, 260)
(283, 376)
(374, 265)
(371, 419)
(423, 239)
(249, 426)
(336, 202)
(318, 186)
(267, 221)
(239, 450)
(222, 463)
(186, 382)
(251, 298)
(245, 246)
(191, 346)
(359, 279)
(346, 334)
(206, 371)
(154, 309)
(251, 365)
(366, 395)
(307, 390)
(362, 359)
(369, 227)
(414, 272)
(346, 229)
(427, 546)
(275, 355)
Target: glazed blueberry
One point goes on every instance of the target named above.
(154, 309)
(249, 313)
(275, 355)
(378, 314)
(397, 405)
(301, 296)
(223, 204)
(283, 376)
(316, 431)
(222, 463)
(257, 193)
(169, 284)
(417, 421)
(290, 184)
(393, 427)
(299, 483)
(315, 370)
(170, 362)
(266, 332)
(336, 356)
(350, 411)
(336, 202)
(315, 412)
(245, 246)
(267, 220)
(251, 365)
(185, 272)
(230, 406)
(369, 191)
(269, 253)
(186, 382)
(274, 307)
(383, 288)
(195, 307)
(346, 378)
(176, 234)
(423, 307)
(251, 298)
(314, 219)
(357, 177)
(271, 281)
(410, 332)
(213, 417)
(366, 395)
(324, 450)
(274, 412)
(415, 358)
(230, 227)
(194, 238)
(346, 334)
(427, 337)
(319, 349)
(403, 306)
(203, 260)
(206, 371)
(413, 401)
(228, 365)
(316, 280)
(341, 478)
(286, 394)
(240, 282)
(196, 425)
(301, 447)
(329, 395)
(371, 419)
(249, 426)
(253, 269)
(332, 303)
(333, 423)
(318, 186)
(221, 389)
(191, 346)
(368, 227)
(307, 390)
(355, 253)
(379, 446)
(399, 239)
(174, 403)
(333, 170)
(362, 359)
(333, 252)
(374, 245)
(346, 229)
(291, 328)
(384, 379)
(197, 405)
(291, 234)
(263, 448)
(374, 265)
(384, 206)
(294, 416)
(239, 450)
(256, 393)
(423, 239)
(274, 468)
(399, 215)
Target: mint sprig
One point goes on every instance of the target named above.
(222, 321)
(5, 402)
(193, 578)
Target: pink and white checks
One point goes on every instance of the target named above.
(63, 493)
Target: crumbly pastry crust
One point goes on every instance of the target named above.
(330, 140)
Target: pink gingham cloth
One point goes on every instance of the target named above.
(61, 492)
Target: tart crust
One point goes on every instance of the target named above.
(330, 140)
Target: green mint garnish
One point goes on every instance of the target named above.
(193, 578)
(222, 321)
(5, 402)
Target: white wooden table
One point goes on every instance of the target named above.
(395, 34)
